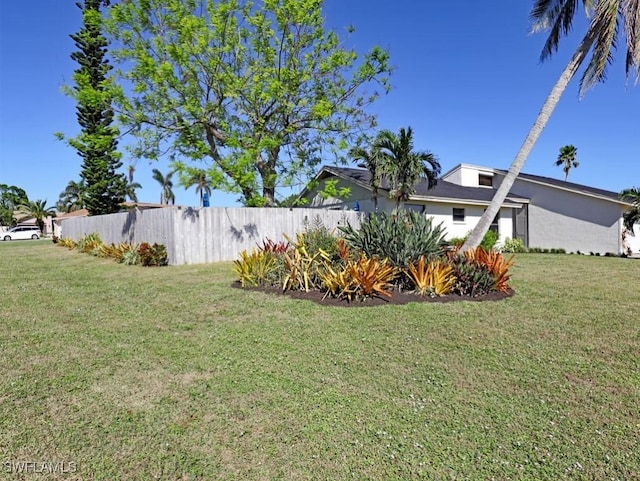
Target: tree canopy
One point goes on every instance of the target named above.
(261, 92)
(11, 197)
(103, 187)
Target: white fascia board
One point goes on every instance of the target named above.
(442, 200)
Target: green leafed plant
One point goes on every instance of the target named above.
(254, 268)
(513, 245)
(89, 243)
(471, 278)
(401, 237)
(302, 268)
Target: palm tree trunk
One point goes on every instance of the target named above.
(549, 106)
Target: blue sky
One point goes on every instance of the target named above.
(467, 80)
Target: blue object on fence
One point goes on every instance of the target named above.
(205, 200)
(356, 206)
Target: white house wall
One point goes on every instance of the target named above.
(575, 222)
(633, 242)
(443, 213)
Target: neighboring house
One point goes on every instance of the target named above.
(541, 211)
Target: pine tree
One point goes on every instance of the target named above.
(97, 141)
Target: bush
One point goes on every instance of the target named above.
(472, 279)
(152, 255)
(318, 238)
(89, 243)
(402, 237)
(489, 240)
(513, 246)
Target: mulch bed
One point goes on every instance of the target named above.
(397, 297)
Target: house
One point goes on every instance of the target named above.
(541, 211)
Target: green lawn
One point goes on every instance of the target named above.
(169, 373)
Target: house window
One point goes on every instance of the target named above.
(495, 223)
(458, 215)
(485, 180)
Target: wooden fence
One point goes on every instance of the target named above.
(203, 235)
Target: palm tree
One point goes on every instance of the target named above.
(130, 189)
(198, 178)
(166, 194)
(556, 16)
(37, 210)
(72, 197)
(373, 161)
(632, 216)
(568, 159)
(403, 165)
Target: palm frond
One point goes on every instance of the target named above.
(632, 33)
(605, 26)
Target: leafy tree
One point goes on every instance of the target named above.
(96, 143)
(568, 159)
(602, 36)
(166, 184)
(11, 197)
(403, 165)
(262, 89)
(38, 210)
(198, 178)
(373, 161)
(72, 197)
(632, 216)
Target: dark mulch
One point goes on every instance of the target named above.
(397, 297)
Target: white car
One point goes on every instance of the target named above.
(21, 232)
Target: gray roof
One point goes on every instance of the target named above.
(443, 189)
(566, 185)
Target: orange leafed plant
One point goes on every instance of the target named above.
(496, 263)
(372, 276)
(431, 278)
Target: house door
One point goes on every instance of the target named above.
(521, 224)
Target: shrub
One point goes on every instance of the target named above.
(401, 237)
(318, 239)
(254, 268)
(513, 246)
(489, 240)
(130, 257)
(434, 278)
(358, 279)
(89, 243)
(301, 267)
(497, 265)
(275, 247)
(371, 276)
(66, 242)
(472, 279)
(152, 255)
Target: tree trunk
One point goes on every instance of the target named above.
(549, 106)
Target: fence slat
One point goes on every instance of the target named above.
(206, 234)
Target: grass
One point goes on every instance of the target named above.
(169, 373)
